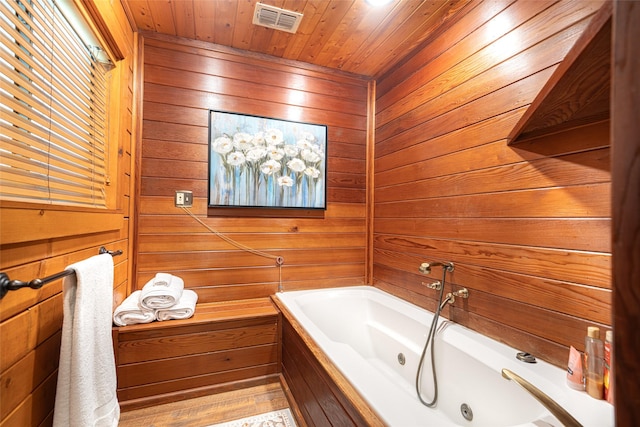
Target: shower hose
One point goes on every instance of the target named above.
(430, 337)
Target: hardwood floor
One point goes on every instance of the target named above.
(207, 410)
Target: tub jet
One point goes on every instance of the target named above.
(466, 412)
(401, 359)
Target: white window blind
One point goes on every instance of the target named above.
(53, 111)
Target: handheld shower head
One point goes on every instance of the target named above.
(425, 267)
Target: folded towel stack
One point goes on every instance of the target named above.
(161, 298)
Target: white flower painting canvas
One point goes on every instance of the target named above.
(263, 162)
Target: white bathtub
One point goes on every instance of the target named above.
(362, 330)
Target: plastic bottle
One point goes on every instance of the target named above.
(594, 355)
(608, 371)
(575, 377)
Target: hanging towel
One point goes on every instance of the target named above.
(130, 312)
(163, 291)
(86, 389)
(182, 310)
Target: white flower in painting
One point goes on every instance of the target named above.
(258, 139)
(304, 144)
(270, 167)
(242, 141)
(275, 153)
(312, 172)
(310, 156)
(308, 136)
(290, 150)
(236, 158)
(296, 165)
(256, 153)
(285, 181)
(273, 136)
(222, 144)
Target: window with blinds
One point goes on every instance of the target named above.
(53, 111)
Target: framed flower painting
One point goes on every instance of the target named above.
(260, 162)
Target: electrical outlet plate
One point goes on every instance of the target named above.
(184, 198)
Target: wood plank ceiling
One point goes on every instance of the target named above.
(348, 35)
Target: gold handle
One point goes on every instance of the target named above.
(558, 411)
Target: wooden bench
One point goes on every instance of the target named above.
(224, 346)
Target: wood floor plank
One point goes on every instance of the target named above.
(207, 410)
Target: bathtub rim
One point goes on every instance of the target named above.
(351, 394)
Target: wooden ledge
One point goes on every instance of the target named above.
(212, 312)
(577, 93)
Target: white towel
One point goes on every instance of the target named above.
(162, 279)
(86, 389)
(163, 291)
(182, 310)
(130, 312)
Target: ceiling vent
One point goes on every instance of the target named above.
(274, 17)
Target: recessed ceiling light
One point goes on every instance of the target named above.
(378, 2)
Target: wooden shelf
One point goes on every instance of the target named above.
(578, 91)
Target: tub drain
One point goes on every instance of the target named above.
(466, 412)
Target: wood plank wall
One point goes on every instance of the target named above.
(49, 238)
(527, 226)
(183, 80)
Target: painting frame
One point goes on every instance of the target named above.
(264, 163)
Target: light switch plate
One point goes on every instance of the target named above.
(184, 198)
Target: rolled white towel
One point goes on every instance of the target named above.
(163, 291)
(182, 310)
(130, 312)
(162, 279)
